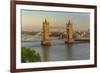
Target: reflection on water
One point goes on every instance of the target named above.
(59, 51)
(45, 51)
(69, 51)
(69, 45)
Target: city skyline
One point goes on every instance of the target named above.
(32, 20)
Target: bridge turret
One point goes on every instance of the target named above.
(69, 32)
(46, 39)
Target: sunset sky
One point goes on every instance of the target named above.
(32, 20)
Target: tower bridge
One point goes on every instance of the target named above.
(46, 37)
(45, 34)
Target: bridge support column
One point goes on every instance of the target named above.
(69, 33)
(46, 41)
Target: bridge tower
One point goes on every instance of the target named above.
(46, 40)
(69, 33)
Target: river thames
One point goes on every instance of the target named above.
(59, 51)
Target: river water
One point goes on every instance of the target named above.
(59, 51)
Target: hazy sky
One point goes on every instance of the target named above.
(32, 19)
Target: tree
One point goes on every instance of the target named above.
(29, 55)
